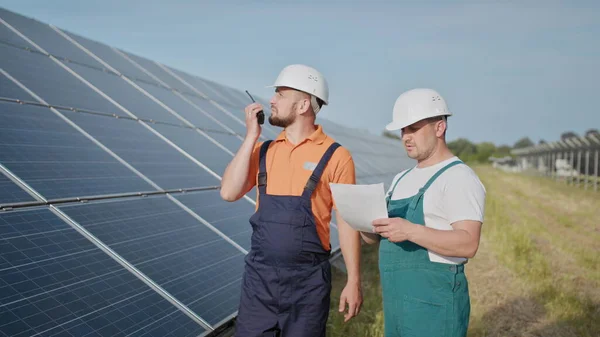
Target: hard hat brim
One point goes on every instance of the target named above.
(275, 86)
(397, 125)
(394, 126)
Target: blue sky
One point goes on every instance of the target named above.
(507, 70)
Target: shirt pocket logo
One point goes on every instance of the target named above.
(309, 166)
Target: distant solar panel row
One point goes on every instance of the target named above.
(84, 129)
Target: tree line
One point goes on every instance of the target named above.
(481, 152)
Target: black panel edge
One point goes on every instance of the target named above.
(8, 207)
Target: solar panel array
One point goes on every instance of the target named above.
(111, 221)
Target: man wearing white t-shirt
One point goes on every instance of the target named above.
(435, 213)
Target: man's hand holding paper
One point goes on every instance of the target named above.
(360, 205)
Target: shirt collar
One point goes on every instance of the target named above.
(318, 136)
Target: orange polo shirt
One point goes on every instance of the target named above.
(289, 167)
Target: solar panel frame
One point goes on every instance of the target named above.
(8, 37)
(10, 192)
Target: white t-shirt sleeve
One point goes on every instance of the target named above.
(464, 196)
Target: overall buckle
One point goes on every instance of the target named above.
(312, 182)
(262, 178)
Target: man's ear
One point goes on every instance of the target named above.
(441, 127)
(304, 105)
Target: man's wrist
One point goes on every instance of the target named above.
(353, 279)
(251, 139)
(414, 232)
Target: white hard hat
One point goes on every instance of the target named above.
(307, 79)
(415, 105)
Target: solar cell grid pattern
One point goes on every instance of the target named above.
(50, 82)
(168, 245)
(230, 219)
(146, 152)
(11, 193)
(195, 117)
(55, 159)
(229, 122)
(56, 281)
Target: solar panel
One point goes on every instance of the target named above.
(126, 95)
(158, 72)
(48, 80)
(202, 86)
(120, 91)
(234, 112)
(235, 99)
(162, 240)
(335, 240)
(137, 240)
(133, 99)
(110, 56)
(231, 219)
(46, 38)
(55, 282)
(199, 147)
(195, 117)
(229, 121)
(11, 193)
(55, 159)
(146, 152)
(7, 37)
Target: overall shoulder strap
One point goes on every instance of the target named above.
(311, 184)
(438, 173)
(397, 181)
(423, 189)
(262, 167)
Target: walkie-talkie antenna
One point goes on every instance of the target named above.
(259, 115)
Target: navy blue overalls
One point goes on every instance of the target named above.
(286, 285)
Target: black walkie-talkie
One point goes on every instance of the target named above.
(259, 115)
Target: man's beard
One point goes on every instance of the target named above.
(282, 122)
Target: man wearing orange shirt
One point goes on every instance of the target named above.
(287, 279)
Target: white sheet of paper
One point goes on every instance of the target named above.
(359, 205)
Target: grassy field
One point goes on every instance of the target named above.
(537, 271)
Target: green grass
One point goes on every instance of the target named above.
(370, 320)
(538, 276)
(512, 223)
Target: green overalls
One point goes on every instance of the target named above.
(420, 298)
